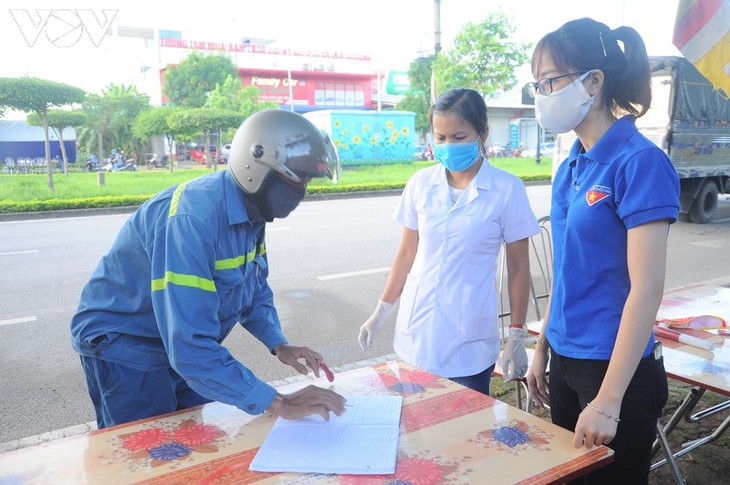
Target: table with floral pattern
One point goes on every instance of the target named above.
(448, 434)
(702, 368)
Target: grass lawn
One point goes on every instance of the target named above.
(79, 185)
(525, 168)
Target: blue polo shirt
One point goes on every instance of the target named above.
(624, 181)
(185, 268)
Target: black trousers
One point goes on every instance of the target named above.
(575, 382)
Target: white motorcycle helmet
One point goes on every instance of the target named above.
(285, 142)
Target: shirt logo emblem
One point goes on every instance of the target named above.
(597, 193)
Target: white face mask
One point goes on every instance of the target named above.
(561, 111)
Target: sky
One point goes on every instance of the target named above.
(392, 32)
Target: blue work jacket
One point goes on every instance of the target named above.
(185, 268)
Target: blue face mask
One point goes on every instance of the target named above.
(278, 198)
(457, 157)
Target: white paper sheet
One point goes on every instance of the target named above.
(364, 440)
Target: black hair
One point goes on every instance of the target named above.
(585, 44)
(467, 104)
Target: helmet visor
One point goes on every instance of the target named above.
(313, 158)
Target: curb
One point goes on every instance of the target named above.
(38, 439)
(60, 214)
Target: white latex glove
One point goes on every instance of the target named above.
(374, 324)
(514, 356)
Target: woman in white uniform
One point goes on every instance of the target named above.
(456, 215)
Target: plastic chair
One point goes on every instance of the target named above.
(541, 280)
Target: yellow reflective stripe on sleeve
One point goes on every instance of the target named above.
(238, 261)
(178, 279)
(231, 263)
(176, 198)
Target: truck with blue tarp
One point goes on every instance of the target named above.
(692, 125)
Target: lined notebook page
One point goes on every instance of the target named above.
(364, 440)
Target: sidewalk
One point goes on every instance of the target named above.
(91, 425)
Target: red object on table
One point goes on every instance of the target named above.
(327, 372)
(701, 322)
(670, 334)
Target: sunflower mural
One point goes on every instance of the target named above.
(363, 137)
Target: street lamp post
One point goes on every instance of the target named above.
(291, 88)
(437, 26)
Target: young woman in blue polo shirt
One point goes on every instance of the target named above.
(613, 200)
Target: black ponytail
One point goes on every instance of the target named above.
(632, 88)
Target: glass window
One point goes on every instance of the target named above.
(330, 94)
(340, 94)
(319, 94)
(359, 95)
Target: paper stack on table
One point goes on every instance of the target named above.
(364, 440)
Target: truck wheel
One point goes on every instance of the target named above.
(704, 207)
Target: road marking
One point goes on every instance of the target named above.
(11, 253)
(18, 320)
(711, 243)
(353, 273)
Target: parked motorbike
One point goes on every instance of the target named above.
(91, 165)
(129, 165)
(157, 162)
(426, 154)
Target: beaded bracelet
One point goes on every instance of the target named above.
(603, 412)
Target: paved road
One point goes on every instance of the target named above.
(329, 262)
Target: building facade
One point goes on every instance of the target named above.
(302, 79)
(307, 80)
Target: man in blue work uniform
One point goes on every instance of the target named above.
(187, 266)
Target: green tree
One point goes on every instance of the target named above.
(206, 120)
(110, 119)
(484, 57)
(153, 122)
(93, 135)
(59, 120)
(33, 95)
(418, 99)
(225, 95)
(232, 95)
(189, 84)
(249, 102)
(128, 103)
